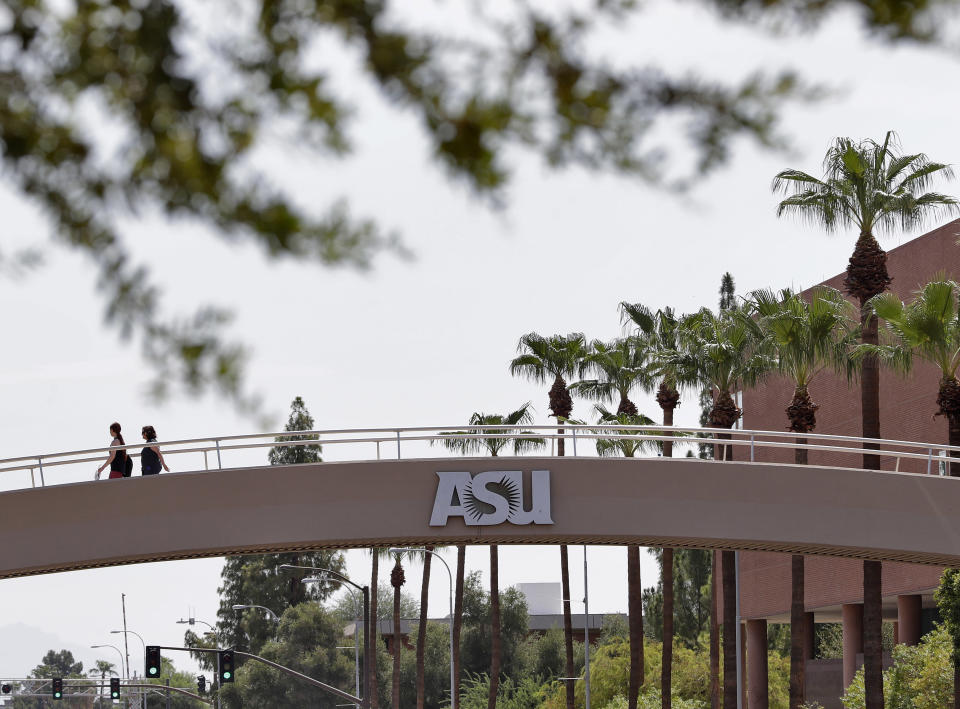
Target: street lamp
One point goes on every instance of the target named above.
(273, 616)
(125, 672)
(398, 551)
(125, 632)
(369, 649)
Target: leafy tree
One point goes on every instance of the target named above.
(805, 337)
(525, 693)
(691, 588)
(306, 641)
(929, 328)
(948, 601)
(436, 678)
(345, 605)
(148, 68)
(728, 290)
(476, 645)
(867, 186)
(258, 579)
(300, 420)
(57, 664)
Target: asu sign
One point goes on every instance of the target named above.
(492, 497)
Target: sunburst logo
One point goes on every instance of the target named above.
(492, 497)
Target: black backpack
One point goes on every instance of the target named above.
(127, 465)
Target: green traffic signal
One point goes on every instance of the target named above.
(153, 661)
(114, 687)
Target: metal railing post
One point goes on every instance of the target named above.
(929, 459)
(378, 450)
(751, 448)
(574, 442)
(40, 465)
(219, 462)
(206, 463)
(398, 445)
(33, 481)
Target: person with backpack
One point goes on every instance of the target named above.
(151, 459)
(119, 462)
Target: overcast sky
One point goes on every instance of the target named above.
(427, 342)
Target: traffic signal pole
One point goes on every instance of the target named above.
(286, 670)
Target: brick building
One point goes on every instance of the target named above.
(834, 586)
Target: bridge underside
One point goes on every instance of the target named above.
(652, 502)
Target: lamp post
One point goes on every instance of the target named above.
(399, 551)
(130, 632)
(369, 651)
(126, 673)
(270, 614)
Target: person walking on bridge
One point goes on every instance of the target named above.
(118, 458)
(151, 459)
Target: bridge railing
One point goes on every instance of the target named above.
(247, 450)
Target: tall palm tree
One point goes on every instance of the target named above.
(465, 442)
(397, 579)
(658, 332)
(867, 185)
(422, 627)
(721, 351)
(629, 447)
(373, 624)
(619, 367)
(458, 622)
(929, 328)
(805, 338)
(102, 669)
(556, 357)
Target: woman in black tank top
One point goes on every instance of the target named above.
(118, 458)
(151, 459)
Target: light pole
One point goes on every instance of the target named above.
(273, 616)
(422, 550)
(216, 641)
(130, 632)
(369, 650)
(126, 673)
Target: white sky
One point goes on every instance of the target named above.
(428, 342)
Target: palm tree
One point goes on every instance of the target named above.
(720, 351)
(928, 328)
(805, 338)
(619, 367)
(658, 332)
(629, 447)
(867, 185)
(555, 357)
(397, 579)
(373, 624)
(102, 669)
(422, 627)
(465, 442)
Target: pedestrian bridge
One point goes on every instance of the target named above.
(54, 517)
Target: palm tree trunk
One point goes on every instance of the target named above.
(666, 668)
(729, 571)
(373, 625)
(635, 608)
(495, 648)
(458, 623)
(668, 398)
(714, 635)
(948, 404)
(870, 391)
(798, 620)
(422, 628)
(872, 635)
(567, 623)
(396, 580)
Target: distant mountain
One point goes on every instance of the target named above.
(22, 647)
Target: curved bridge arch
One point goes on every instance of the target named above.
(656, 502)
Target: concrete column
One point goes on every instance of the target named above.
(908, 619)
(852, 614)
(757, 664)
(809, 630)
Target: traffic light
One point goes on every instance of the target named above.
(226, 666)
(153, 661)
(57, 688)
(114, 687)
(201, 684)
